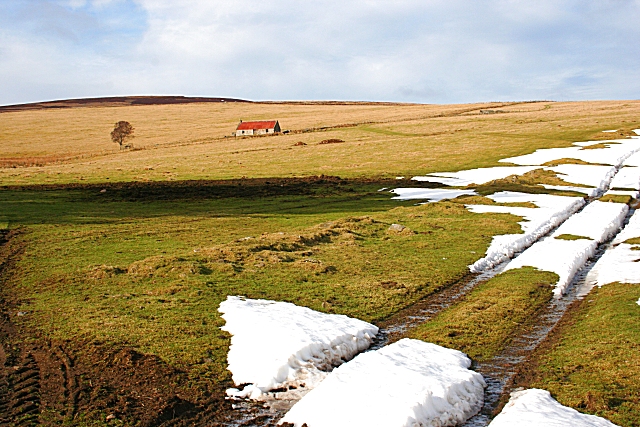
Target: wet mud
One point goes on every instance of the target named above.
(44, 382)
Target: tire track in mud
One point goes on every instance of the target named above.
(22, 400)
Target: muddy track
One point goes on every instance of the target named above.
(44, 382)
(396, 327)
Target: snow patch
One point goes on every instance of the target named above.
(630, 231)
(618, 264)
(535, 407)
(632, 193)
(407, 383)
(614, 154)
(632, 160)
(610, 131)
(590, 192)
(433, 194)
(627, 177)
(598, 221)
(278, 344)
(551, 211)
(563, 257)
(590, 175)
(475, 176)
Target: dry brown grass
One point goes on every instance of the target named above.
(191, 141)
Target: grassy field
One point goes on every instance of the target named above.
(592, 362)
(137, 248)
(484, 322)
(151, 274)
(179, 142)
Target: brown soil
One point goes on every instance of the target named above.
(528, 371)
(51, 383)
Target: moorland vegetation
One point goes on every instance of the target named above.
(114, 262)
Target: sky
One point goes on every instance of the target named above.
(426, 51)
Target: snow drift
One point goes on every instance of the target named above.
(535, 408)
(630, 231)
(551, 211)
(593, 176)
(589, 191)
(614, 154)
(563, 257)
(278, 344)
(627, 177)
(432, 194)
(598, 221)
(618, 264)
(475, 176)
(408, 383)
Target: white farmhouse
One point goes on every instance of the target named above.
(261, 127)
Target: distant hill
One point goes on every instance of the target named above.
(114, 101)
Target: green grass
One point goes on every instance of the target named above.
(616, 198)
(530, 182)
(485, 321)
(146, 265)
(570, 237)
(593, 365)
(121, 268)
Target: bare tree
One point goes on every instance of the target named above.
(121, 133)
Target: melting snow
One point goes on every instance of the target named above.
(278, 344)
(563, 257)
(407, 383)
(618, 264)
(535, 407)
(433, 194)
(475, 176)
(590, 192)
(627, 177)
(551, 211)
(614, 154)
(593, 176)
(630, 231)
(632, 193)
(598, 221)
(633, 160)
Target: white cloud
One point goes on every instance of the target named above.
(408, 50)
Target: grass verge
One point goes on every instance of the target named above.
(484, 322)
(616, 198)
(591, 361)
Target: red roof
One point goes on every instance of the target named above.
(262, 124)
